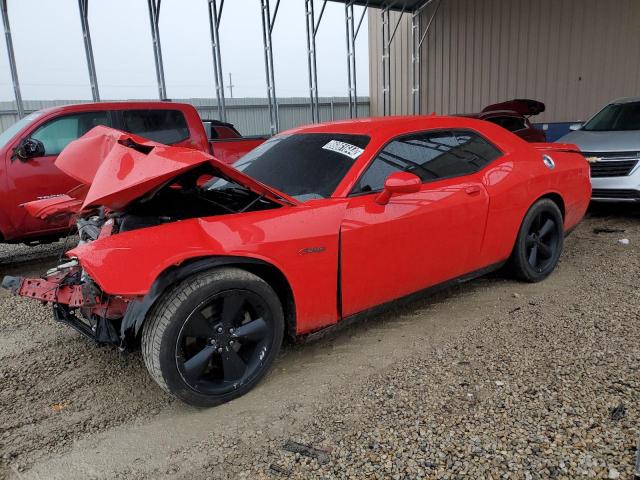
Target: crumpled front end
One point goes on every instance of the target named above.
(77, 300)
(129, 184)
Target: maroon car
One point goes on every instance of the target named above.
(514, 116)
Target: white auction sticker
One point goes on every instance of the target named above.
(347, 149)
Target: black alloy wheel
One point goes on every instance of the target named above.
(214, 336)
(539, 243)
(542, 241)
(223, 341)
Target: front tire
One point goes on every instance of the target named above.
(214, 336)
(539, 242)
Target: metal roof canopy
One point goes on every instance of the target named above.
(215, 7)
(398, 6)
(413, 8)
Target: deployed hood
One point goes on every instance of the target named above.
(522, 106)
(120, 167)
(614, 141)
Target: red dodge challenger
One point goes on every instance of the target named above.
(208, 267)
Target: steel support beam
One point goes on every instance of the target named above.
(12, 58)
(83, 5)
(312, 30)
(154, 19)
(387, 39)
(416, 57)
(268, 21)
(384, 59)
(417, 39)
(352, 31)
(215, 14)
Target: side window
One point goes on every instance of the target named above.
(513, 124)
(58, 133)
(431, 156)
(476, 151)
(424, 154)
(163, 126)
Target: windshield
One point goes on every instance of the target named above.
(10, 132)
(616, 116)
(304, 166)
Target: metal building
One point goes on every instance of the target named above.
(573, 55)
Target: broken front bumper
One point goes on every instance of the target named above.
(70, 293)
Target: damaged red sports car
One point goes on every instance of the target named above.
(208, 267)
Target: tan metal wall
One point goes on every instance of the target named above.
(574, 55)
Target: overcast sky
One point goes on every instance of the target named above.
(49, 50)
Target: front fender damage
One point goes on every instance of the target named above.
(137, 309)
(77, 301)
(147, 216)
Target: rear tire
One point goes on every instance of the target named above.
(214, 336)
(539, 242)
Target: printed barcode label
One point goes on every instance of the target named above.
(347, 149)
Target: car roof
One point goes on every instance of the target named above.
(625, 100)
(386, 126)
(115, 105)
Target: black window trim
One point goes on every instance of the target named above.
(411, 134)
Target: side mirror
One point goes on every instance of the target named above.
(575, 126)
(399, 182)
(28, 148)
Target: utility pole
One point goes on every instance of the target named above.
(231, 85)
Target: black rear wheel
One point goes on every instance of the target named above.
(214, 336)
(539, 243)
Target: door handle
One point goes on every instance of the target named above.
(472, 190)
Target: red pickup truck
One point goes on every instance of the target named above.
(29, 148)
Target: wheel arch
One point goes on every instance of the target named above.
(137, 311)
(556, 198)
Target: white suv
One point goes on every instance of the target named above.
(610, 141)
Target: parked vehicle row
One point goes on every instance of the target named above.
(208, 267)
(28, 149)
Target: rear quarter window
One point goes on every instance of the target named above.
(163, 126)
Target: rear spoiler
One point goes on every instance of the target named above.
(556, 147)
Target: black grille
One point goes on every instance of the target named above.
(615, 194)
(612, 164)
(612, 168)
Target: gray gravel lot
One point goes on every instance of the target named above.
(494, 379)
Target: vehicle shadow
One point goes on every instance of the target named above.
(19, 254)
(614, 210)
(396, 314)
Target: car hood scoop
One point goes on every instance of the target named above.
(121, 167)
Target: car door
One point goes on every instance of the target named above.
(38, 177)
(420, 239)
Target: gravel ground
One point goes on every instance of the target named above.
(551, 389)
(12, 255)
(495, 379)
